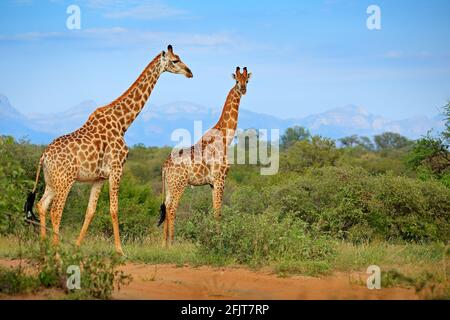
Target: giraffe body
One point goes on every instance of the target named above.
(205, 163)
(96, 152)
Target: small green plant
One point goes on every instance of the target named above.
(16, 281)
(427, 285)
(99, 272)
(100, 275)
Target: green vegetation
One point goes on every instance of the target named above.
(430, 155)
(99, 275)
(384, 202)
(265, 238)
(16, 281)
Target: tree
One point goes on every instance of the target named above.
(391, 140)
(292, 135)
(433, 152)
(446, 133)
(350, 141)
(357, 141)
(366, 143)
(317, 152)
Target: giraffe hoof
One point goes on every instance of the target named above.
(120, 252)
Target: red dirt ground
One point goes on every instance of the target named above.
(171, 282)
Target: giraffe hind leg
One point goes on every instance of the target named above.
(171, 213)
(171, 202)
(42, 208)
(90, 211)
(166, 233)
(114, 182)
(57, 209)
(164, 219)
(162, 213)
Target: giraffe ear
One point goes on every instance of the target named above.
(163, 57)
(233, 76)
(249, 76)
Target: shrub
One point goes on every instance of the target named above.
(349, 203)
(13, 183)
(249, 238)
(99, 274)
(247, 199)
(318, 152)
(138, 208)
(15, 281)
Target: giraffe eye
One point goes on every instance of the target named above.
(175, 61)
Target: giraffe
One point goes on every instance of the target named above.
(96, 152)
(204, 163)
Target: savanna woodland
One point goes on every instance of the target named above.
(333, 206)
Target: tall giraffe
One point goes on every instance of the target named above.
(203, 163)
(96, 152)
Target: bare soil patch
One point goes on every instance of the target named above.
(164, 281)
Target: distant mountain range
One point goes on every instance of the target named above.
(155, 124)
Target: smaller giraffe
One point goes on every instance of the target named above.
(204, 163)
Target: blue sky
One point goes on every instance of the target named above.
(306, 56)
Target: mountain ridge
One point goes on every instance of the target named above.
(156, 123)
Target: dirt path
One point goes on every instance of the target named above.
(171, 282)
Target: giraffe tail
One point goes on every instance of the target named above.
(162, 214)
(162, 211)
(28, 207)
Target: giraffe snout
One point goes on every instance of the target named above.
(188, 73)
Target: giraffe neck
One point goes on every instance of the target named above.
(228, 120)
(127, 107)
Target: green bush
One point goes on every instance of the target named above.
(99, 274)
(138, 209)
(318, 152)
(247, 199)
(16, 281)
(249, 238)
(349, 203)
(14, 182)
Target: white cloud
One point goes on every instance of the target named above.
(143, 10)
(393, 54)
(147, 12)
(397, 54)
(23, 2)
(30, 36)
(122, 37)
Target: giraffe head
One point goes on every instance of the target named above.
(172, 63)
(241, 79)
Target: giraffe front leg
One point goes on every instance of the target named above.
(218, 188)
(114, 182)
(93, 198)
